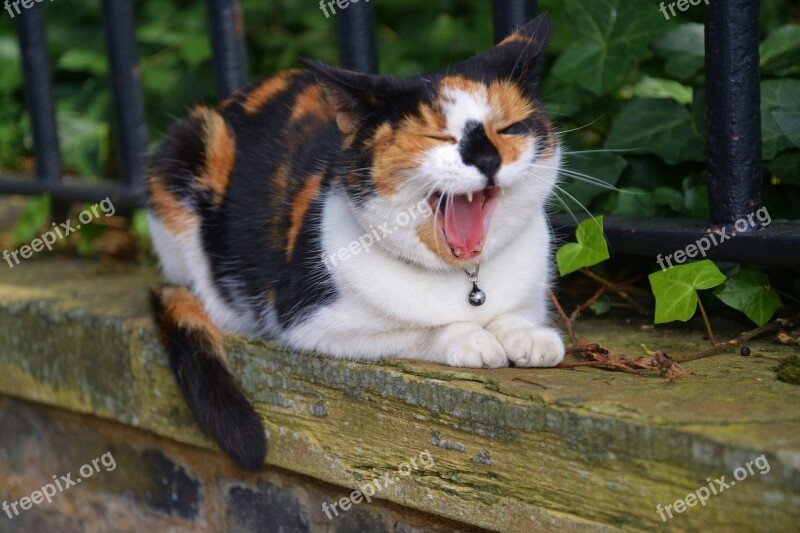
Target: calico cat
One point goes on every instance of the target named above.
(261, 208)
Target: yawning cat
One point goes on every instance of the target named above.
(358, 216)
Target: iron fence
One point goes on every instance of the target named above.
(735, 177)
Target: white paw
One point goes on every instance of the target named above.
(469, 345)
(527, 345)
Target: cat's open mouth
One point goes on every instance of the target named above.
(463, 219)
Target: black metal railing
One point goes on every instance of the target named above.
(735, 176)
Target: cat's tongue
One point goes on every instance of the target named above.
(464, 224)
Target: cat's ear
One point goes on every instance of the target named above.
(518, 56)
(533, 36)
(352, 94)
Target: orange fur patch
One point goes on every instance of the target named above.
(514, 38)
(302, 201)
(220, 147)
(185, 310)
(508, 106)
(396, 152)
(176, 218)
(267, 91)
(310, 103)
(463, 84)
(430, 123)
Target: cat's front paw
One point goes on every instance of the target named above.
(469, 345)
(527, 345)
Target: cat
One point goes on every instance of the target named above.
(253, 203)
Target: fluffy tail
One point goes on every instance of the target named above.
(197, 358)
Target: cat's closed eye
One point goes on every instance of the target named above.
(516, 128)
(440, 136)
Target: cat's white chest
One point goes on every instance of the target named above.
(390, 289)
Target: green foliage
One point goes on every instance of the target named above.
(662, 127)
(33, 219)
(618, 76)
(590, 249)
(611, 39)
(676, 289)
(781, 50)
(627, 80)
(601, 306)
(749, 291)
(683, 49)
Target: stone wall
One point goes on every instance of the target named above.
(512, 449)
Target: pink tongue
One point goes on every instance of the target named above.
(463, 223)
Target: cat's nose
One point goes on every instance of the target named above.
(477, 150)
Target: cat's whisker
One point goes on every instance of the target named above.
(562, 132)
(580, 177)
(601, 151)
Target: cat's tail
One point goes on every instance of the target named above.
(197, 357)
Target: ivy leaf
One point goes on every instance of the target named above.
(781, 48)
(601, 306)
(780, 116)
(676, 289)
(634, 202)
(649, 87)
(671, 198)
(662, 127)
(590, 249)
(749, 292)
(684, 50)
(789, 123)
(612, 38)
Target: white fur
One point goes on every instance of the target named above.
(184, 262)
(390, 308)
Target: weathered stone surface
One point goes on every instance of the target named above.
(265, 508)
(514, 449)
(156, 484)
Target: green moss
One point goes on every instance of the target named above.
(789, 370)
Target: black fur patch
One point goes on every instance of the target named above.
(477, 150)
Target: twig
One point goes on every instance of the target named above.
(744, 337)
(705, 321)
(597, 355)
(529, 382)
(567, 322)
(616, 288)
(584, 306)
(786, 295)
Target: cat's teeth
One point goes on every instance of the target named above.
(469, 196)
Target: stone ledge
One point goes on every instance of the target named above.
(514, 450)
